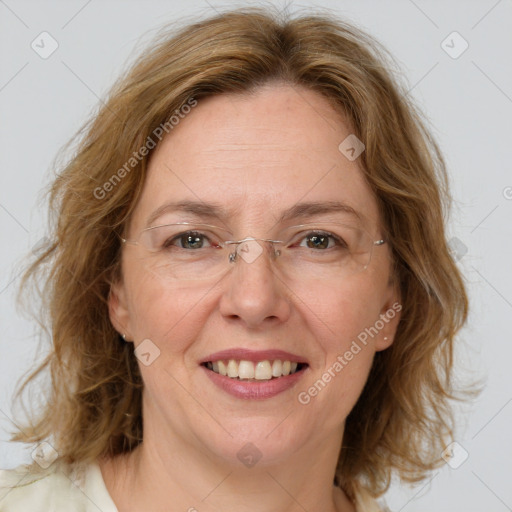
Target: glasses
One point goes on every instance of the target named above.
(187, 251)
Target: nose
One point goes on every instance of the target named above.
(254, 293)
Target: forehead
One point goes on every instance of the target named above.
(257, 155)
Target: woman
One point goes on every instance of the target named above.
(250, 291)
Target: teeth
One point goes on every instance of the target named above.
(261, 370)
(277, 368)
(246, 370)
(232, 368)
(222, 368)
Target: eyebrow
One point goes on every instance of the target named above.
(317, 208)
(197, 208)
(218, 212)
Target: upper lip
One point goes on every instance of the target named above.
(239, 354)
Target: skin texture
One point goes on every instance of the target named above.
(255, 154)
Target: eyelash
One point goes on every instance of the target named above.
(338, 241)
(170, 242)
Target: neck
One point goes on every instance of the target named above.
(160, 475)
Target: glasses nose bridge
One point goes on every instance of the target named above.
(249, 248)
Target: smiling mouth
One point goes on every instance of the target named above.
(265, 370)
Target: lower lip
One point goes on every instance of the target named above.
(254, 390)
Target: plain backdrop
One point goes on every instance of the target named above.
(456, 59)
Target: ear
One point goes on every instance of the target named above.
(118, 309)
(389, 318)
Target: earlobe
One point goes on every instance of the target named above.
(383, 343)
(389, 319)
(118, 310)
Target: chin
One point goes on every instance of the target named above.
(265, 440)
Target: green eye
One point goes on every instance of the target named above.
(187, 240)
(191, 240)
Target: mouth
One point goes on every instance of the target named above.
(257, 371)
(254, 375)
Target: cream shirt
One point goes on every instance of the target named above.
(58, 489)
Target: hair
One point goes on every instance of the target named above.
(93, 409)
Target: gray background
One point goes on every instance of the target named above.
(468, 101)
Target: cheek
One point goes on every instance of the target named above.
(340, 313)
(167, 313)
(337, 319)
(348, 313)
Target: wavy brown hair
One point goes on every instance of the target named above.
(93, 409)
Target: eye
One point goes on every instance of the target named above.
(321, 240)
(188, 240)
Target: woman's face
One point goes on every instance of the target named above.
(255, 157)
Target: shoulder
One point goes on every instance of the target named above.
(58, 488)
(32, 488)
